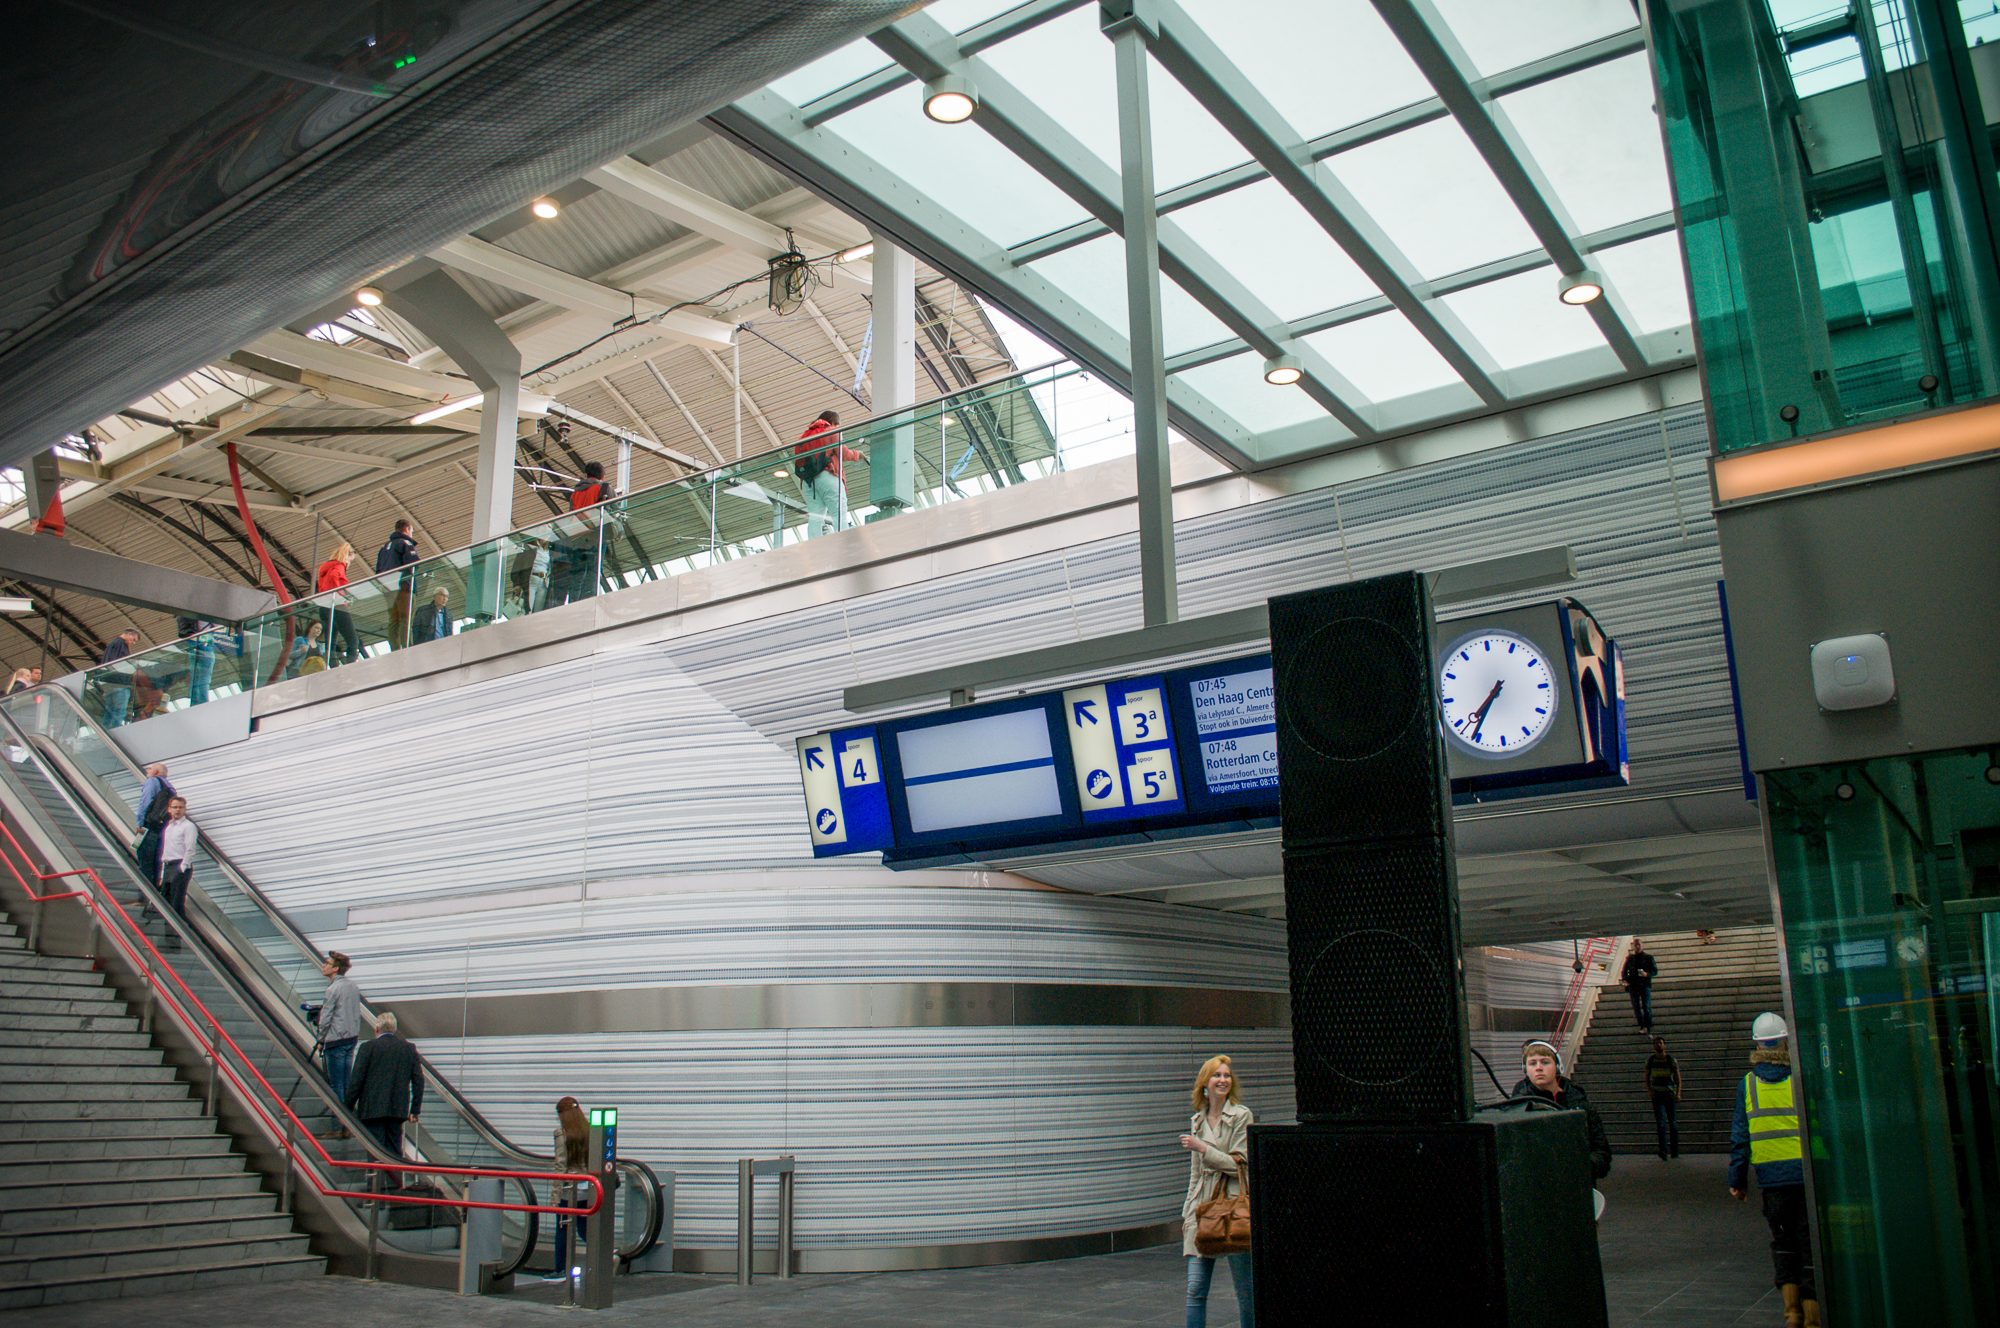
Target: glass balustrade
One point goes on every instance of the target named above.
(1011, 431)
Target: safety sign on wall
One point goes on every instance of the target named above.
(847, 807)
(1122, 745)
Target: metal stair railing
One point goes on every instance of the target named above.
(1580, 1000)
(228, 1061)
(251, 935)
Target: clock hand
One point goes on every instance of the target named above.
(1478, 716)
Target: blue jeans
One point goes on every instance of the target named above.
(116, 701)
(1642, 1004)
(1666, 1123)
(826, 504)
(1200, 1270)
(339, 1061)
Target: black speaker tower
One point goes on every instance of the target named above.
(1392, 1195)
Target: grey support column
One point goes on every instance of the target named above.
(1126, 23)
(892, 375)
(442, 311)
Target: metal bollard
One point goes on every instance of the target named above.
(746, 1221)
(374, 1218)
(785, 1222)
(479, 1253)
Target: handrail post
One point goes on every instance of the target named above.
(785, 1221)
(214, 1071)
(35, 927)
(291, 1143)
(374, 1220)
(746, 1222)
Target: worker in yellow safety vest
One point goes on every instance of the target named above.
(1765, 1136)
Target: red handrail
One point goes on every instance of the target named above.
(243, 1092)
(1593, 949)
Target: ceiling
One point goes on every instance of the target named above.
(1387, 190)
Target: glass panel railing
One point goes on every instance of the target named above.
(206, 666)
(1011, 431)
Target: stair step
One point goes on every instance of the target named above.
(114, 1235)
(70, 1054)
(187, 1125)
(104, 1286)
(106, 1003)
(155, 1210)
(15, 1038)
(17, 1172)
(29, 981)
(72, 1112)
(165, 1090)
(159, 1255)
(111, 1021)
(69, 1148)
(14, 961)
(65, 1194)
(29, 1074)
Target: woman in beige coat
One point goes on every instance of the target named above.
(1219, 1127)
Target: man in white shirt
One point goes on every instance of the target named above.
(177, 845)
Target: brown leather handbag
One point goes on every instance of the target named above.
(1222, 1221)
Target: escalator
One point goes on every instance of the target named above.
(73, 789)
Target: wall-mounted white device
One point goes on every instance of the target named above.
(1853, 672)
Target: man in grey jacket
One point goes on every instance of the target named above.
(339, 1024)
(386, 1087)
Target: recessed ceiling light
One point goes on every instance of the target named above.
(1283, 370)
(545, 208)
(950, 99)
(777, 474)
(369, 296)
(1580, 287)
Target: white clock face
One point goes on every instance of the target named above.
(1497, 692)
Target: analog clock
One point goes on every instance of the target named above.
(1497, 693)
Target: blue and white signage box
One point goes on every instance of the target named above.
(1121, 744)
(847, 804)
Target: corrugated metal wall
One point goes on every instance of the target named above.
(657, 787)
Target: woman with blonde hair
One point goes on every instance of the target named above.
(1218, 1138)
(339, 622)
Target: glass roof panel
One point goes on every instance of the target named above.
(1267, 241)
(1520, 321)
(1237, 385)
(1500, 37)
(1383, 356)
(1093, 275)
(958, 15)
(1430, 190)
(1649, 278)
(831, 72)
(1597, 141)
(1284, 46)
(960, 167)
(1188, 144)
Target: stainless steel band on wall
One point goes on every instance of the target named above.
(840, 1005)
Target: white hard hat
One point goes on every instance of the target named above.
(1768, 1027)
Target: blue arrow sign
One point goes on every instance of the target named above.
(1082, 711)
(815, 759)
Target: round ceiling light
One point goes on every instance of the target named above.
(369, 296)
(546, 208)
(1580, 287)
(950, 99)
(1283, 370)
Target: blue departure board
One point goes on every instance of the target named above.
(1229, 718)
(1121, 744)
(847, 804)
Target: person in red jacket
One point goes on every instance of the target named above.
(332, 583)
(816, 461)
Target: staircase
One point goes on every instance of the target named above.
(1703, 1002)
(112, 1182)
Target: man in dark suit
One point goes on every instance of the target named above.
(386, 1086)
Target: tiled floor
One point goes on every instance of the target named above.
(1678, 1253)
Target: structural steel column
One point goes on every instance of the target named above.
(1122, 22)
(892, 377)
(442, 311)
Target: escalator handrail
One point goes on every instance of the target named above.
(276, 916)
(98, 896)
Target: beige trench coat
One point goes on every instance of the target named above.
(1231, 1135)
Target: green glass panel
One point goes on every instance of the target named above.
(1838, 240)
(1889, 885)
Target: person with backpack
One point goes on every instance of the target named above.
(154, 796)
(816, 461)
(399, 552)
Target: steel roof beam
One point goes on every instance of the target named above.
(853, 181)
(520, 273)
(1661, 223)
(1223, 90)
(1575, 60)
(970, 42)
(1430, 43)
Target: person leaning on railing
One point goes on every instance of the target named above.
(816, 462)
(339, 621)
